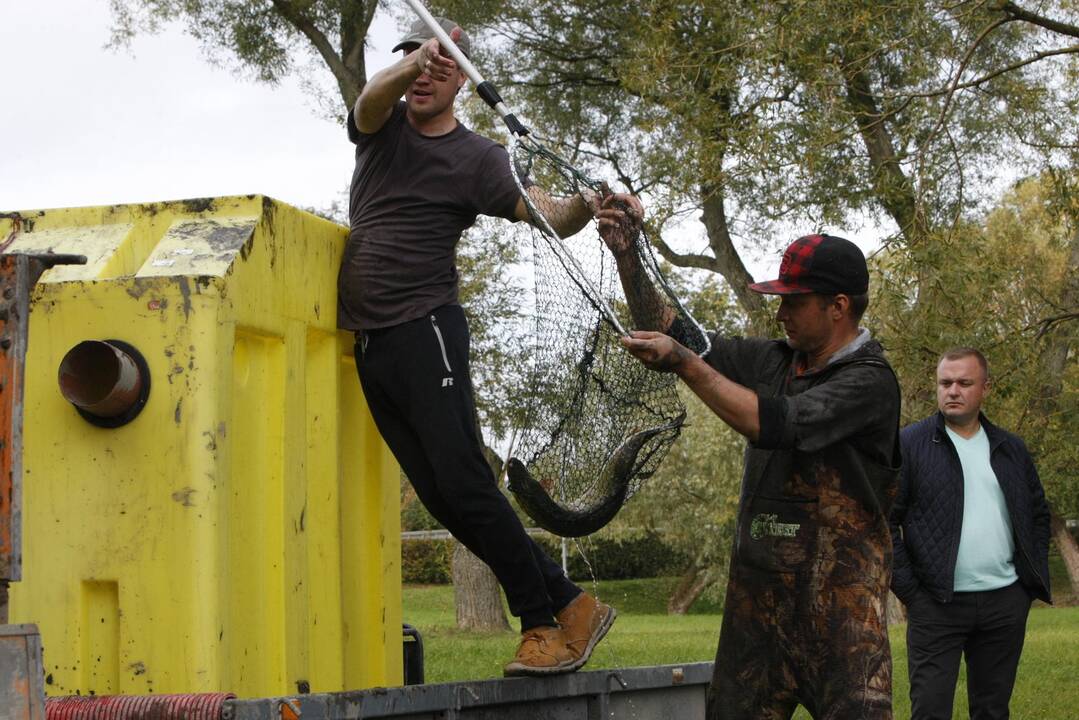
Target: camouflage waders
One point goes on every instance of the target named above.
(805, 621)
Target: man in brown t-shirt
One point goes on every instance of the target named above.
(421, 179)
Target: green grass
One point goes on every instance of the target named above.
(641, 636)
(644, 635)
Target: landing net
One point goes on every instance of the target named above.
(598, 422)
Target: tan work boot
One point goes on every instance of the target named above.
(584, 623)
(542, 651)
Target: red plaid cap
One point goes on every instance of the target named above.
(823, 264)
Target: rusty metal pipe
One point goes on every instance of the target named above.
(100, 379)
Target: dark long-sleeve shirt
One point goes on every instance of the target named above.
(826, 463)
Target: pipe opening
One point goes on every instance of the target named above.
(106, 381)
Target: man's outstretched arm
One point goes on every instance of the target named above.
(735, 404)
(619, 223)
(567, 215)
(619, 218)
(375, 103)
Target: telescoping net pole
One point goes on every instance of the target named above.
(598, 423)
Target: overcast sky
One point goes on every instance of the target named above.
(82, 125)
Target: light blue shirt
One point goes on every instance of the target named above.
(986, 558)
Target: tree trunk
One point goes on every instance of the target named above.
(891, 187)
(689, 588)
(476, 593)
(896, 613)
(1069, 550)
(347, 62)
(729, 263)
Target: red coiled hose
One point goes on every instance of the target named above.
(137, 707)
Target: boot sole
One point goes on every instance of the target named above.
(518, 670)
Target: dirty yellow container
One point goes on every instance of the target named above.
(242, 532)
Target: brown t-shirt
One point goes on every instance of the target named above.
(412, 196)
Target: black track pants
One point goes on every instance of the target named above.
(416, 382)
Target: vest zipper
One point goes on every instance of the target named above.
(441, 344)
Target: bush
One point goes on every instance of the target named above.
(426, 562)
(617, 558)
(414, 515)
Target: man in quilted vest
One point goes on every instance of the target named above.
(970, 530)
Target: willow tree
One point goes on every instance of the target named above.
(742, 120)
(1006, 284)
(760, 114)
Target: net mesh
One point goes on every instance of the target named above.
(598, 422)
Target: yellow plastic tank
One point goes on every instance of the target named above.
(242, 532)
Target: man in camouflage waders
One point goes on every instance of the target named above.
(805, 614)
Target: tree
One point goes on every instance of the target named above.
(804, 112)
(1056, 396)
(476, 593)
(817, 113)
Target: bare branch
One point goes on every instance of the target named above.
(961, 180)
(1017, 13)
(891, 185)
(346, 79)
(947, 106)
(686, 260)
(1020, 135)
(1047, 324)
(1070, 49)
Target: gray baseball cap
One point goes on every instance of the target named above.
(419, 33)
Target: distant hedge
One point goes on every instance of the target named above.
(622, 558)
(625, 558)
(426, 562)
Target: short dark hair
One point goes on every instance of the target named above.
(858, 304)
(958, 353)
